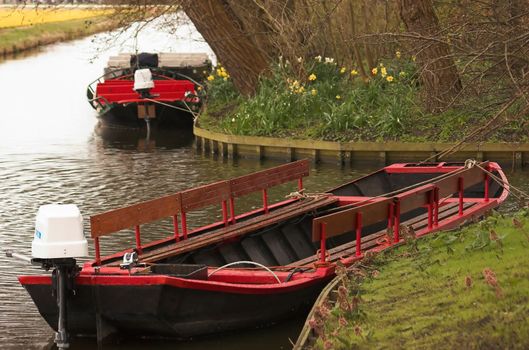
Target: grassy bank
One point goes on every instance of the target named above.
(22, 31)
(462, 289)
(335, 103)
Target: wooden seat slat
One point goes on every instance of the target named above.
(238, 229)
(137, 214)
(370, 241)
(345, 220)
(206, 195)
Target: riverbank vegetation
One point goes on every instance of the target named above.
(26, 28)
(467, 288)
(465, 62)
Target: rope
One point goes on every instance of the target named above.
(188, 110)
(245, 262)
(508, 187)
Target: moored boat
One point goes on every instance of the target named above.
(171, 100)
(251, 269)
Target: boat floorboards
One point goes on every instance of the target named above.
(238, 229)
(371, 240)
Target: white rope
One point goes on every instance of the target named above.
(245, 262)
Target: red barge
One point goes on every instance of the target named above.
(253, 269)
(172, 100)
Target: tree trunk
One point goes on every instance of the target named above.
(438, 72)
(225, 34)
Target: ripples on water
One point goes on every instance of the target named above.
(52, 151)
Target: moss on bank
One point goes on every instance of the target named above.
(13, 40)
(461, 289)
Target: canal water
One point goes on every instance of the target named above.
(53, 150)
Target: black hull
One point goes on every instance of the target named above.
(166, 311)
(127, 116)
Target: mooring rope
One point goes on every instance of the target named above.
(507, 186)
(195, 115)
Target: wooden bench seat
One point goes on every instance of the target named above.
(239, 229)
(370, 241)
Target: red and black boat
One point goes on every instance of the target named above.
(172, 99)
(255, 268)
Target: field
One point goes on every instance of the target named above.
(24, 28)
(11, 17)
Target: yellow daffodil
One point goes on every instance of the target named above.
(374, 71)
(338, 97)
(342, 70)
(313, 92)
(354, 72)
(397, 54)
(301, 90)
(211, 78)
(383, 71)
(389, 78)
(312, 77)
(318, 58)
(402, 74)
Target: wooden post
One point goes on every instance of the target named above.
(184, 224)
(323, 238)
(175, 228)
(436, 206)
(430, 209)
(461, 194)
(358, 234)
(232, 210)
(396, 227)
(265, 201)
(98, 251)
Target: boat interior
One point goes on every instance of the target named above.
(287, 235)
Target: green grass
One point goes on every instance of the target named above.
(22, 38)
(340, 106)
(433, 294)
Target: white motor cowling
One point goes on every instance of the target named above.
(143, 80)
(59, 233)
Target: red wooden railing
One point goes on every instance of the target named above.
(391, 208)
(222, 192)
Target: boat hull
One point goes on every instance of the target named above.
(167, 311)
(127, 116)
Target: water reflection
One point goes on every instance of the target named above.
(140, 140)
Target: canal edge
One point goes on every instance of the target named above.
(229, 146)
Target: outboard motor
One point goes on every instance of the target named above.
(58, 240)
(143, 82)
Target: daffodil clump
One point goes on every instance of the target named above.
(219, 87)
(332, 101)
